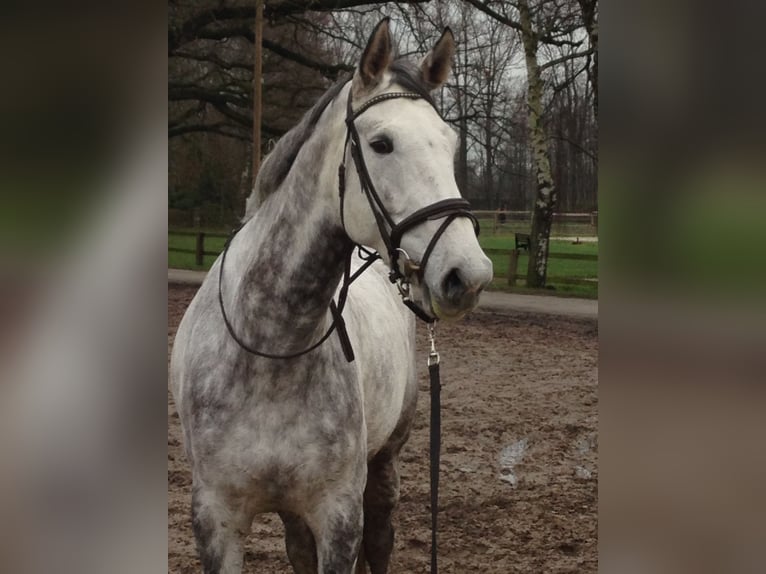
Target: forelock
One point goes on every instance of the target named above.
(409, 77)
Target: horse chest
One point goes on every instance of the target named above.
(308, 407)
(294, 432)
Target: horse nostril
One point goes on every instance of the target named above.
(453, 285)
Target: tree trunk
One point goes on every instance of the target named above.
(462, 164)
(588, 11)
(255, 166)
(545, 199)
(489, 187)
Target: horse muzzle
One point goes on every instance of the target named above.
(459, 289)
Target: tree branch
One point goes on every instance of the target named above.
(577, 146)
(544, 38)
(244, 118)
(496, 15)
(187, 31)
(565, 58)
(223, 129)
(286, 7)
(214, 59)
(331, 71)
(188, 92)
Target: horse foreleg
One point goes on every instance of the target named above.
(361, 563)
(380, 498)
(337, 526)
(299, 541)
(219, 530)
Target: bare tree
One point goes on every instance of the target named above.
(589, 12)
(508, 127)
(549, 23)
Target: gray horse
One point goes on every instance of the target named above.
(316, 438)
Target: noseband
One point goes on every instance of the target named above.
(391, 232)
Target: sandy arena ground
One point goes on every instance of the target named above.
(519, 455)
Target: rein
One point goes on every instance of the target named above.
(336, 310)
(434, 440)
(392, 234)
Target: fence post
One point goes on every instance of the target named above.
(200, 250)
(513, 261)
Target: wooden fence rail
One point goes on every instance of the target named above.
(199, 244)
(498, 218)
(513, 264)
(200, 252)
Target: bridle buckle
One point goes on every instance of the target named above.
(410, 267)
(404, 288)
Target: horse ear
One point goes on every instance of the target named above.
(377, 56)
(437, 64)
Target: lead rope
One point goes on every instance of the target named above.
(435, 439)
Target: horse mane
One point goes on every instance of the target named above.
(277, 164)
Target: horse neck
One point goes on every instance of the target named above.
(292, 254)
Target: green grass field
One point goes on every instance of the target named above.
(557, 268)
(187, 260)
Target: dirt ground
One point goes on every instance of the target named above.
(519, 455)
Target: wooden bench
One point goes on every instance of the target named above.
(522, 241)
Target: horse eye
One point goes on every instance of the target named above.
(382, 145)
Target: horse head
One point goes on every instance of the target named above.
(402, 198)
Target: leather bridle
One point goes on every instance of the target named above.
(391, 232)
